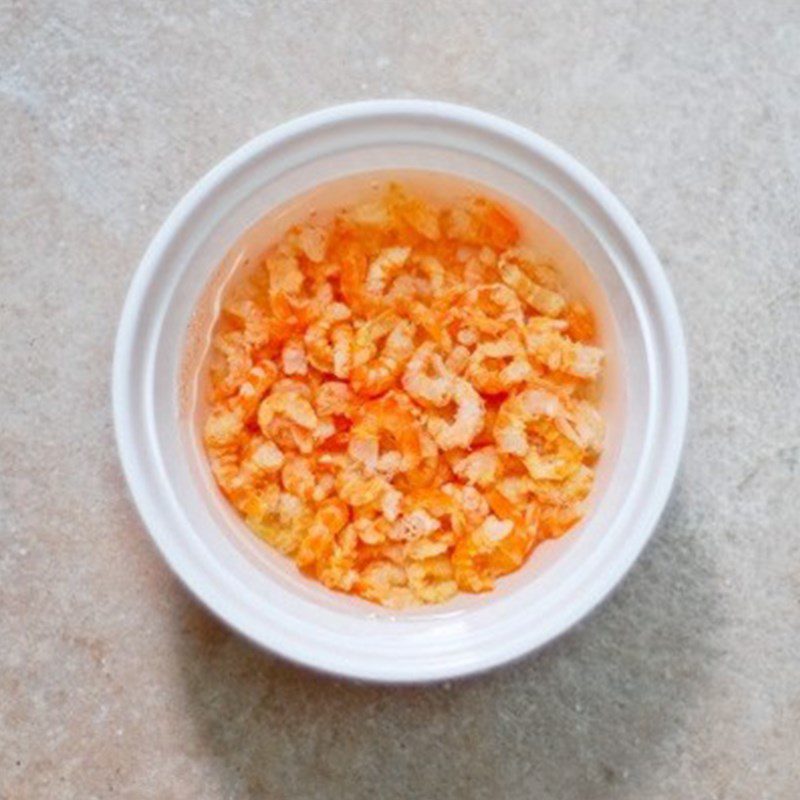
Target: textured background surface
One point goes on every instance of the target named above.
(113, 683)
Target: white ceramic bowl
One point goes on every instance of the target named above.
(261, 594)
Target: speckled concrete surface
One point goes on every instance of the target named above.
(113, 683)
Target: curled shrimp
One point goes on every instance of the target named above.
(262, 460)
(427, 472)
(373, 373)
(473, 505)
(429, 547)
(495, 300)
(297, 477)
(342, 336)
(351, 280)
(252, 389)
(288, 418)
(570, 492)
(339, 571)
(386, 583)
(424, 276)
(516, 489)
(555, 521)
(488, 310)
(225, 426)
(480, 267)
(385, 265)
(560, 354)
(535, 263)
(583, 425)
(386, 426)
(291, 437)
(427, 379)
(334, 398)
(256, 328)
(390, 504)
(293, 357)
(548, 454)
(515, 268)
(468, 421)
(437, 504)
(317, 546)
(289, 404)
(493, 549)
(480, 467)
(432, 580)
(237, 361)
(300, 386)
(324, 344)
(556, 460)
(434, 271)
(222, 435)
(370, 334)
(285, 274)
(517, 413)
(583, 361)
(429, 320)
(292, 312)
(368, 530)
(312, 240)
(497, 366)
(325, 487)
(416, 524)
(404, 288)
(279, 518)
(358, 489)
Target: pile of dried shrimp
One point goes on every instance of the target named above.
(401, 400)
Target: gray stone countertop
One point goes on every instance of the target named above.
(114, 683)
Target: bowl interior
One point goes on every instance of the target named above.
(259, 591)
(324, 200)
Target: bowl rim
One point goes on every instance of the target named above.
(675, 401)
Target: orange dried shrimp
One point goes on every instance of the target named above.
(400, 400)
